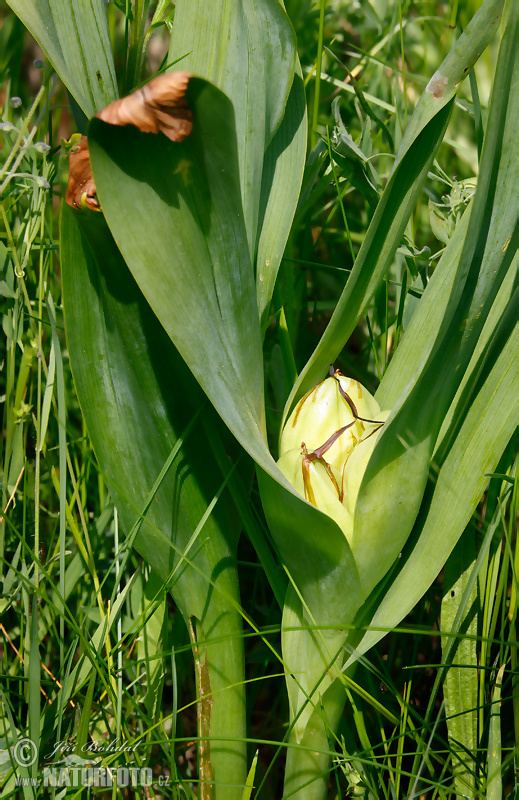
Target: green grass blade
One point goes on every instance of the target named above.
(460, 686)
(62, 439)
(494, 780)
(74, 35)
(249, 784)
(34, 677)
(10, 738)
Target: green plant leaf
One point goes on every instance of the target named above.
(443, 85)
(484, 433)
(422, 139)
(127, 376)
(248, 50)
(494, 763)
(281, 185)
(459, 625)
(74, 35)
(175, 213)
(395, 478)
(376, 253)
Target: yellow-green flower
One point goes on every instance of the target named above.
(319, 483)
(323, 411)
(326, 444)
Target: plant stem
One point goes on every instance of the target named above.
(307, 772)
(220, 680)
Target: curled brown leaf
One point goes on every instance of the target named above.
(81, 189)
(157, 107)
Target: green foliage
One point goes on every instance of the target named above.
(223, 277)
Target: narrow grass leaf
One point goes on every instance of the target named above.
(86, 712)
(34, 678)
(93, 646)
(249, 784)
(460, 686)
(494, 777)
(62, 441)
(47, 397)
(153, 642)
(12, 736)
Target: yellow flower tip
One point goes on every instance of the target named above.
(327, 408)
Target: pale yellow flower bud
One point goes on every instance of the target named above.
(322, 412)
(326, 444)
(356, 464)
(318, 483)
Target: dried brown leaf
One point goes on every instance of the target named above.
(81, 189)
(158, 107)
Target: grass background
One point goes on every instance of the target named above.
(374, 60)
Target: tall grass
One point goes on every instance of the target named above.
(95, 649)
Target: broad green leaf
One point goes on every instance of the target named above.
(74, 35)
(248, 50)
(218, 39)
(425, 325)
(315, 552)
(482, 437)
(375, 256)
(127, 376)
(174, 210)
(312, 656)
(393, 485)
